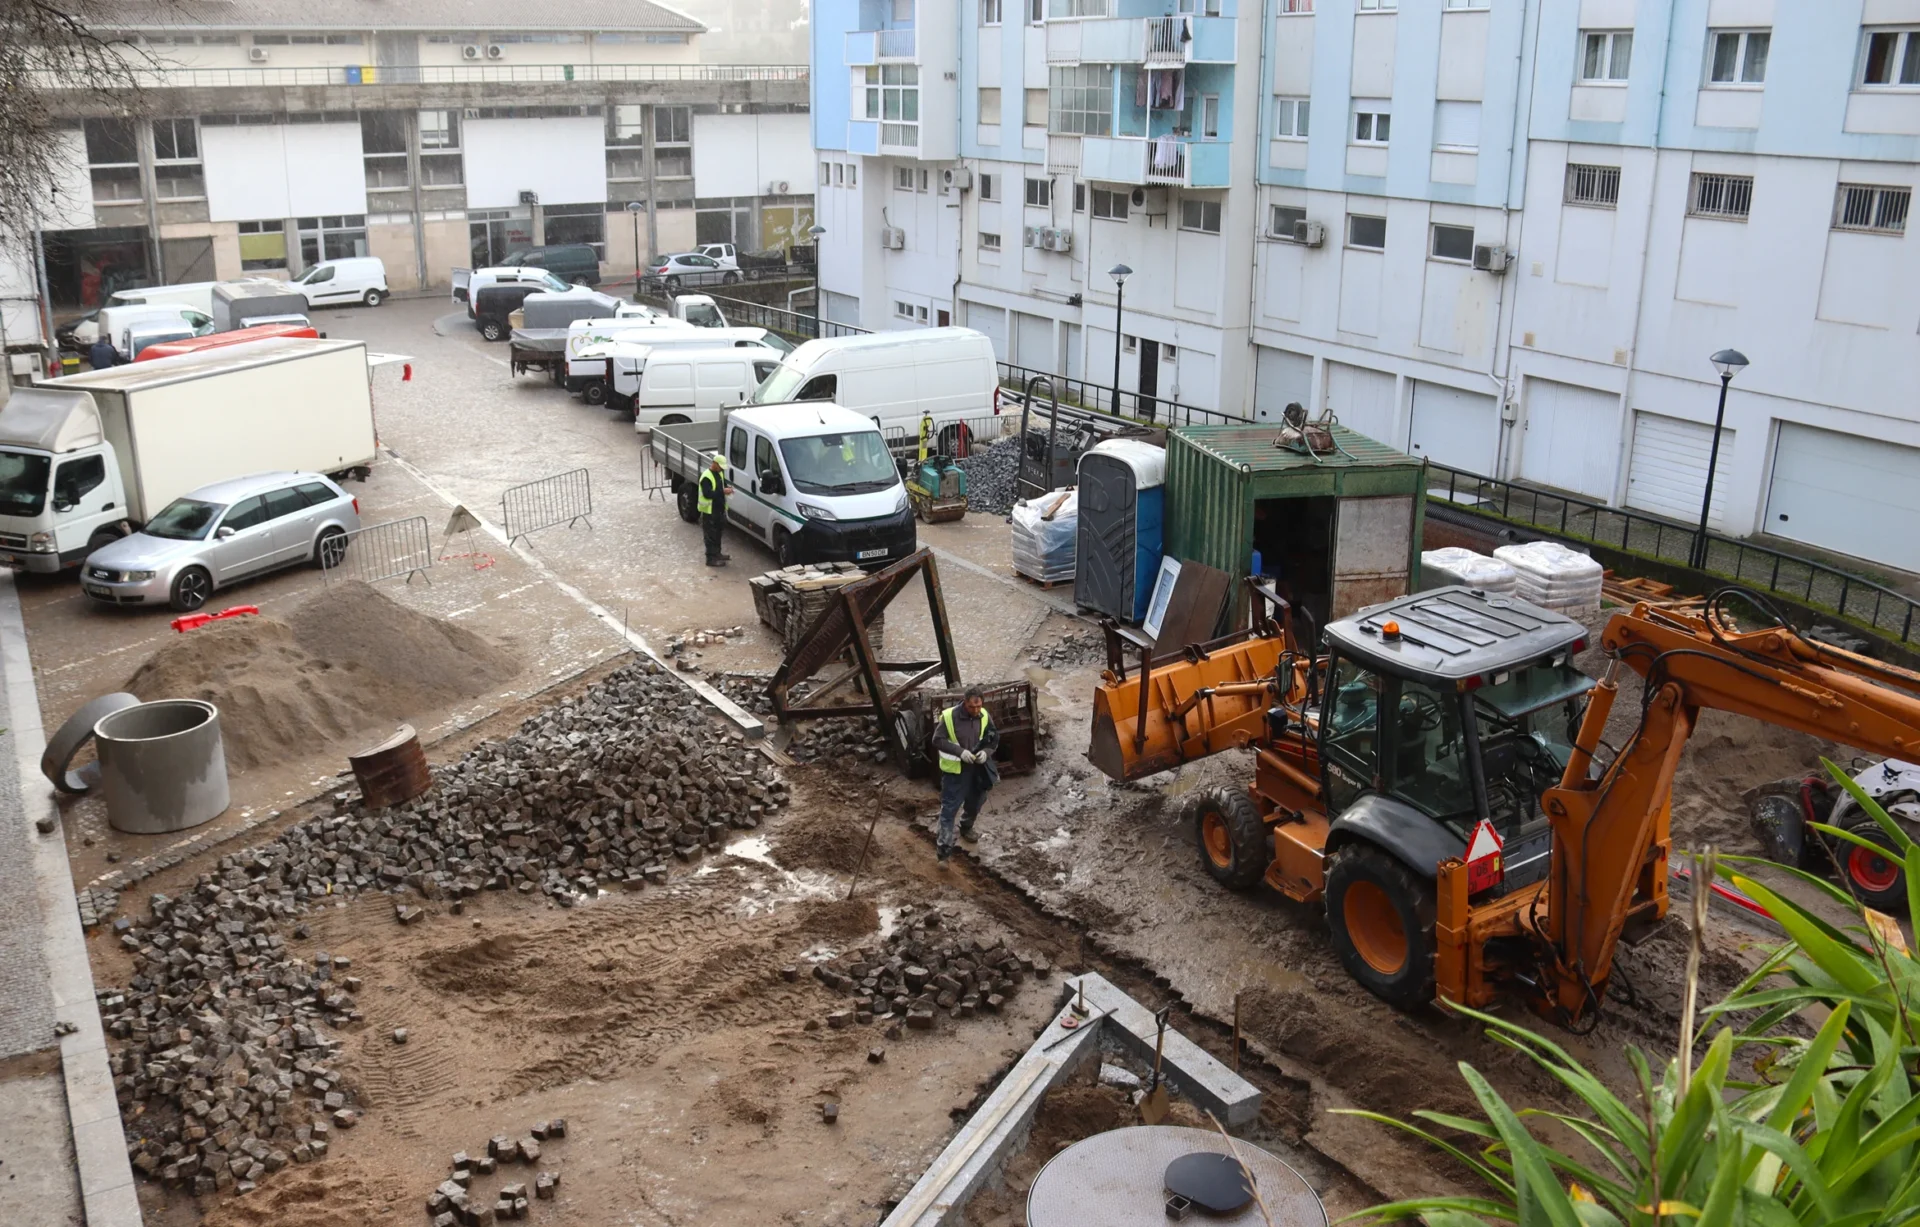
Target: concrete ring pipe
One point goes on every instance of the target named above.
(163, 767)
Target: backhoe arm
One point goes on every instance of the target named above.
(1610, 836)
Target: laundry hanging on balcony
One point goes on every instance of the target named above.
(1166, 152)
(1165, 89)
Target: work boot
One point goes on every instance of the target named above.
(966, 833)
(942, 853)
(717, 562)
(726, 558)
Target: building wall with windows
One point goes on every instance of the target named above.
(271, 146)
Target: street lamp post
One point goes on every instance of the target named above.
(1730, 362)
(1119, 273)
(814, 232)
(634, 209)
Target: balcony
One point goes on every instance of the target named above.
(1063, 154)
(868, 47)
(1159, 42)
(1170, 162)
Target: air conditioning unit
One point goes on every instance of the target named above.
(495, 51)
(257, 54)
(529, 198)
(1030, 237)
(1061, 240)
(1309, 234)
(893, 238)
(1490, 259)
(779, 187)
(1151, 201)
(957, 176)
(470, 52)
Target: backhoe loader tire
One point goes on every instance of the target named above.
(1381, 914)
(1232, 839)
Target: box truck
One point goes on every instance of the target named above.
(87, 459)
(241, 304)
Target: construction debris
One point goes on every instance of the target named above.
(224, 1070)
(920, 972)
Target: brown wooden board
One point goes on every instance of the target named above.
(1193, 611)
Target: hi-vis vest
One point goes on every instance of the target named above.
(950, 763)
(709, 482)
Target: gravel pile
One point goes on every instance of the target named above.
(224, 1072)
(1072, 651)
(991, 472)
(855, 738)
(921, 971)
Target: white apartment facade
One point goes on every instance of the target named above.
(1640, 182)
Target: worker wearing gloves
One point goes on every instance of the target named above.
(712, 505)
(965, 739)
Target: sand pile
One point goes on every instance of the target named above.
(348, 663)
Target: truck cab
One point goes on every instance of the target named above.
(61, 495)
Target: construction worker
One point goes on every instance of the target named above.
(965, 739)
(712, 505)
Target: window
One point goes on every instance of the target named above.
(113, 160)
(74, 479)
(1882, 210)
(179, 182)
(1209, 117)
(176, 140)
(1370, 127)
(1728, 196)
(672, 125)
(989, 12)
(986, 188)
(1201, 215)
(1080, 101)
(624, 125)
(1368, 232)
(1296, 6)
(1039, 192)
(1607, 56)
(925, 176)
(853, 174)
(1290, 118)
(262, 245)
(1132, 344)
(284, 503)
(989, 242)
(583, 224)
(1595, 186)
(441, 129)
(1456, 125)
(1079, 198)
(1453, 243)
(383, 141)
(1467, 4)
(1369, 5)
(1111, 206)
(246, 514)
(826, 175)
(893, 98)
(1281, 219)
(1036, 116)
(1080, 8)
(1739, 57)
(839, 175)
(1893, 58)
(332, 238)
(989, 104)
(903, 178)
(903, 310)
(737, 448)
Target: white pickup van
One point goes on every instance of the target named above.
(692, 385)
(894, 378)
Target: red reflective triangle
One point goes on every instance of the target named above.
(1486, 842)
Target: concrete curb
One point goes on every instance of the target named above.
(99, 1143)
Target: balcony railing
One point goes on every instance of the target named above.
(1063, 153)
(897, 44)
(1167, 162)
(1166, 39)
(449, 74)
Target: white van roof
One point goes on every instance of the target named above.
(690, 352)
(804, 419)
(885, 340)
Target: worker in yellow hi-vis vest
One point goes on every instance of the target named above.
(964, 739)
(712, 506)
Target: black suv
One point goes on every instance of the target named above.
(575, 262)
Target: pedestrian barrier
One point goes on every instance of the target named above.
(654, 478)
(379, 551)
(535, 505)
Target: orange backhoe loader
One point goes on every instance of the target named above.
(1382, 752)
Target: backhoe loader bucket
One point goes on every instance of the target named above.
(1209, 698)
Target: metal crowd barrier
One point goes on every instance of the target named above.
(535, 505)
(379, 551)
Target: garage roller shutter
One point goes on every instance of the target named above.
(1362, 399)
(1846, 493)
(1457, 429)
(1668, 473)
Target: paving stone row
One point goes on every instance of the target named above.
(922, 970)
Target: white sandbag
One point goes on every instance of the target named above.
(1549, 562)
(1043, 549)
(1457, 565)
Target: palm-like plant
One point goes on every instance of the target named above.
(1830, 1135)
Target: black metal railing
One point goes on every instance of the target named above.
(793, 325)
(165, 76)
(1149, 410)
(1803, 580)
(658, 285)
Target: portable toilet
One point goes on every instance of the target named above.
(1123, 485)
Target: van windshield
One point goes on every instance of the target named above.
(23, 483)
(705, 315)
(184, 519)
(779, 387)
(839, 464)
(774, 341)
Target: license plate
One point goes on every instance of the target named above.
(871, 554)
(9, 560)
(97, 590)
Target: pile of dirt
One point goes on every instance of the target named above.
(840, 918)
(1727, 758)
(345, 665)
(822, 837)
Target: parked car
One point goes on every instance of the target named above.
(468, 282)
(113, 322)
(355, 279)
(690, 263)
(222, 534)
(494, 303)
(574, 262)
(721, 254)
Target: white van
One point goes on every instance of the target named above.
(114, 322)
(195, 294)
(692, 385)
(893, 378)
(353, 279)
(590, 344)
(468, 282)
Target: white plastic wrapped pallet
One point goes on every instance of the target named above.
(1553, 576)
(1043, 549)
(1459, 565)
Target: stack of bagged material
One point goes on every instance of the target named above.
(1555, 577)
(1044, 533)
(1456, 565)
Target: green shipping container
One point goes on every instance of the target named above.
(1336, 534)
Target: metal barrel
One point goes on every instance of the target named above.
(393, 771)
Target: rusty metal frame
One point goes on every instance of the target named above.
(843, 625)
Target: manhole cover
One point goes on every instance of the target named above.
(1117, 1179)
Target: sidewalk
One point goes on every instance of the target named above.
(65, 1154)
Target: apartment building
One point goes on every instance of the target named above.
(441, 135)
(1504, 234)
